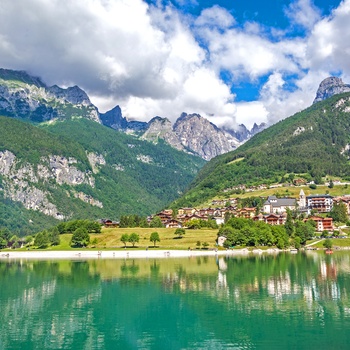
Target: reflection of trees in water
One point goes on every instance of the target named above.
(130, 268)
(79, 276)
(42, 297)
(266, 294)
(154, 269)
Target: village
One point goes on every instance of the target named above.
(273, 211)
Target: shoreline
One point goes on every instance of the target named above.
(127, 254)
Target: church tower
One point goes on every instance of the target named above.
(302, 199)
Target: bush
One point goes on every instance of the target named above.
(80, 238)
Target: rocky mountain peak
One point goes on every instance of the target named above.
(161, 128)
(114, 118)
(203, 137)
(329, 87)
(74, 95)
(22, 76)
(24, 96)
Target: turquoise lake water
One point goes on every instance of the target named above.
(284, 301)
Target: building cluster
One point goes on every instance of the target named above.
(273, 212)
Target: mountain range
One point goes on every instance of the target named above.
(27, 97)
(60, 158)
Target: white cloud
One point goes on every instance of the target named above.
(154, 60)
(303, 13)
(215, 16)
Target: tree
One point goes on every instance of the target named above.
(156, 222)
(289, 226)
(331, 184)
(134, 238)
(28, 240)
(124, 238)
(93, 226)
(327, 243)
(54, 236)
(324, 234)
(154, 238)
(41, 239)
(297, 242)
(194, 224)
(14, 241)
(339, 212)
(198, 244)
(205, 245)
(3, 243)
(80, 238)
(143, 222)
(179, 232)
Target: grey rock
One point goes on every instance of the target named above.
(20, 180)
(73, 95)
(203, 137)
(115, 120)
(24, 96)
(161, 128)
(329, 87)
(191, 133)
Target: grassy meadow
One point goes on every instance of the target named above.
(109, 238)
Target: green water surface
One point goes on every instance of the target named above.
(283, 301)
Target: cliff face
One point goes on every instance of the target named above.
(161, 128)
(27, 183)
(329, 87)
(23, 96)
(202, 137)
(193, 134)
(115, 120)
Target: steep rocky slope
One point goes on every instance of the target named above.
(329, 87)
(191, 133)
(27, 97)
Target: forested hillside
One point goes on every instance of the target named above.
(81, 169)
(312, 144)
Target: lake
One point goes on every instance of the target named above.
(282, 301)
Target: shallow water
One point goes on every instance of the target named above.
(280, 301)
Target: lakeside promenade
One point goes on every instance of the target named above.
(123, 254)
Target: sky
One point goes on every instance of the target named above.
(233, 61)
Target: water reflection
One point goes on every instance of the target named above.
(201, 302)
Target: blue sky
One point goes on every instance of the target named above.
(231, 61)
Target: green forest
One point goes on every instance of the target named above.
(138, 177)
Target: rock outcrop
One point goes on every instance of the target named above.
(193, 134)
(24, 96)
(329, 87)
(115, 120)
(22, 182)
(203, 137)
(162, 128)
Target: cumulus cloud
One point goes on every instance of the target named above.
(303, 13)
(156, 60)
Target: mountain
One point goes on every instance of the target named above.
(311, 144)
(191, 133)
(115, 120)
(27, 97)
(329, 87)
(77, 168)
